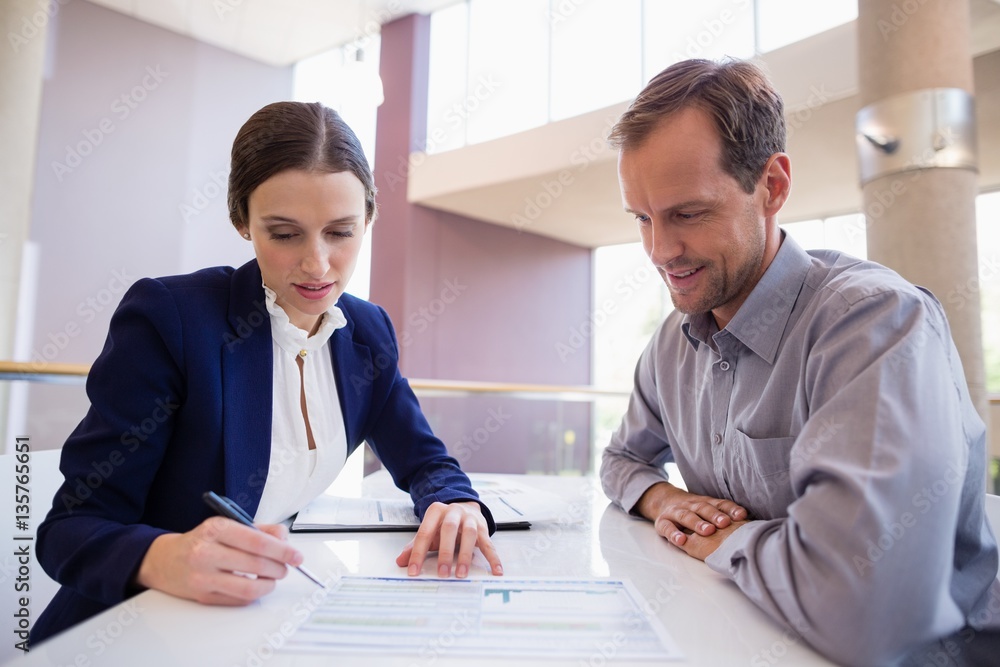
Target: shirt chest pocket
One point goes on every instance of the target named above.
(758, 473)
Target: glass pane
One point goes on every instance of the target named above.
(781, 22)
(630, 301)
(508, 83)
(333, 78)
(808, 233)
(449, 63)
(587, 72)
(712, 29)
(988, 232)
(847, 233)
(343, 83)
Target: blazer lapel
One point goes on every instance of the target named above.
(247, 387)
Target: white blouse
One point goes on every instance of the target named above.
(296, 474)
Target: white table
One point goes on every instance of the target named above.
(712, 622)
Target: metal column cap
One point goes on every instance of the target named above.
(922, 129)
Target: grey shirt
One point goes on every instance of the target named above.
(833, 407)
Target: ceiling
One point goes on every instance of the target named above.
(275, 32)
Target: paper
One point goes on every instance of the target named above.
(541, 617)
(513, 506)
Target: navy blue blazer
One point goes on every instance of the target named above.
(181, 402)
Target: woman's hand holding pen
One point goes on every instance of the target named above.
(447, 528)
(209, 564)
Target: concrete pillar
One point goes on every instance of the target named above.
(922, 223)
(24, 27)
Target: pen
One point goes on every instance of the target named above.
(227, 508)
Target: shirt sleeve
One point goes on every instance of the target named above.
(863, 567)
(633, 460)
(91, 540)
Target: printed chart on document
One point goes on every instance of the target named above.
(550, 617)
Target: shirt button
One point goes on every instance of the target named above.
(717, 438)
(724, 365)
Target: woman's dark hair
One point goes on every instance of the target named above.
(294, 135)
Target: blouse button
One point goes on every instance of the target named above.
(724, 365)
(303, 353)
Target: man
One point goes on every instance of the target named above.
(814, 403)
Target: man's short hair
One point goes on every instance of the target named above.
(744, 106)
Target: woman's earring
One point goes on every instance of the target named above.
(246, 235)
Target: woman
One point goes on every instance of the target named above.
(256, 383)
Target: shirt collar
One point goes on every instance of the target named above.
(294, 340)
(760, 322)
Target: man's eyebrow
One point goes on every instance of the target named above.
(683, 204)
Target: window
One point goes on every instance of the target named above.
(327, 78)
(596, 55)
(846, 233)
(508, 82)
(713, 29)
(504, 66)
(630, 301)
(782, 22)
(447, 108)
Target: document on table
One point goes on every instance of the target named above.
(542, 618)
(513, 506)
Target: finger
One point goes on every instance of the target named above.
(404, 556)
(447, 539)
(423, 542)
(668, 529)
(489, 551)
(242, 588)
(468, 534)
(690, 517)
(257, 542)
(736, 512)
(276, 530)
(236, 560)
